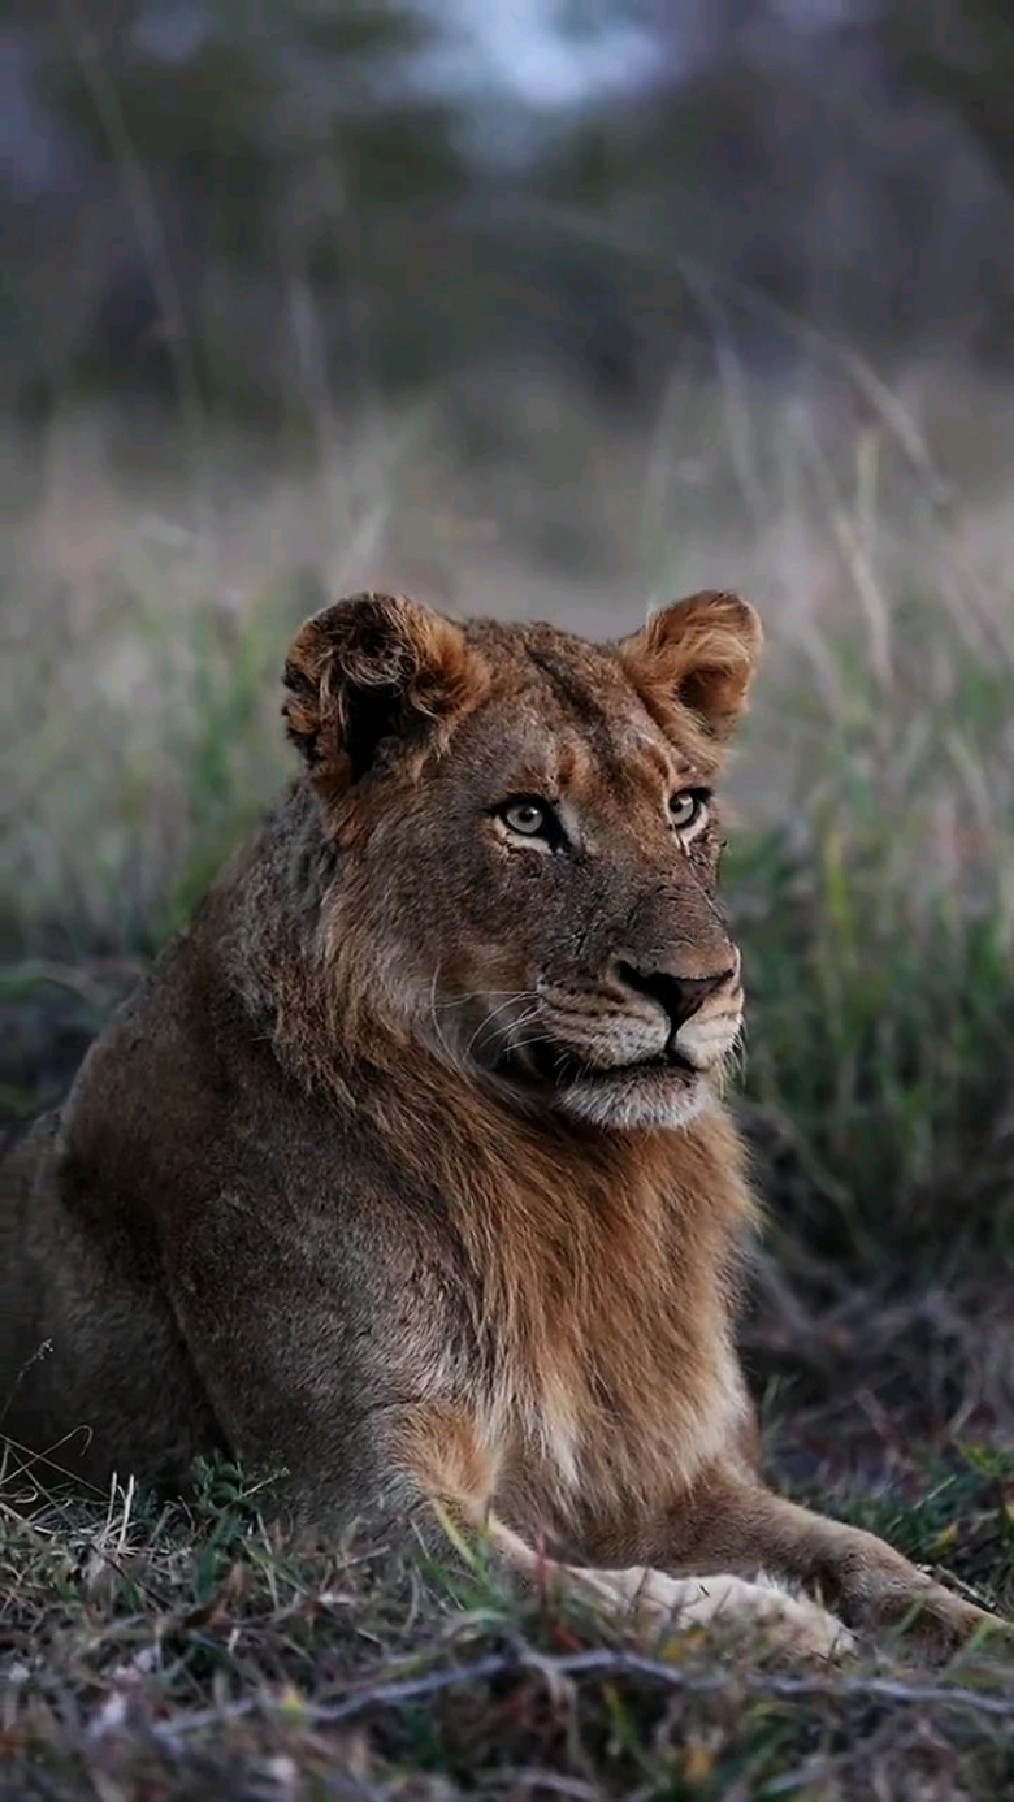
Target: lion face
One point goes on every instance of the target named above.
(530, 844)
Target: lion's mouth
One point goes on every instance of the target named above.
(561, 1067)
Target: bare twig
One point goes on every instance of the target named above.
(603, 1662)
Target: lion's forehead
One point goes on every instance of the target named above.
(574, 722)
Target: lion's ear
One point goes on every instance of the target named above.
(702, 653)
(371, 669)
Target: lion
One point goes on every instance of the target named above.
(405, 1177)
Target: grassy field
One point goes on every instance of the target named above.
(189, 1655)
(872, 875)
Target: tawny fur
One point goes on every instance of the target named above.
(397, 1179)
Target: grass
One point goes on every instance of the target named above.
(188, 1652)
(184, 1653)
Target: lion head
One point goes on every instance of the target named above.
(527, 844)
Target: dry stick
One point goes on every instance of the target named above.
(581, 1664)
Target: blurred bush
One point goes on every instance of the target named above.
(241, 200)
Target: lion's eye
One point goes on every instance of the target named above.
(528, 817)
(688, 807)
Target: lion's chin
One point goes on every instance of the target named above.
(666, 1092)
(659, 1097)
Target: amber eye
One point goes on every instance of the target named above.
(528, 817)
(687, 807)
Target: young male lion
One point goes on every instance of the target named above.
(405, 1175)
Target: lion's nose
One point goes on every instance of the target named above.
(680, 997)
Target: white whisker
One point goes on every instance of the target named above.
(487, 1023)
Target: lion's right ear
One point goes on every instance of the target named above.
(372, 674)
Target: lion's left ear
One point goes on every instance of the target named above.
(701, 653)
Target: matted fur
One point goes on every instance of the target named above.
(405, 1177)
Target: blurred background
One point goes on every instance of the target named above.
(244, 206)
(535, 307)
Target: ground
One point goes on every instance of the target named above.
(170, 1652)
(185, 1653)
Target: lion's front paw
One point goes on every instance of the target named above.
(795, 1623)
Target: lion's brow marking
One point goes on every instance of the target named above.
(576, 694)
(615, 741)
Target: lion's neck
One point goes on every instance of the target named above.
(603, 1274)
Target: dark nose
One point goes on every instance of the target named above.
(679, 996)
